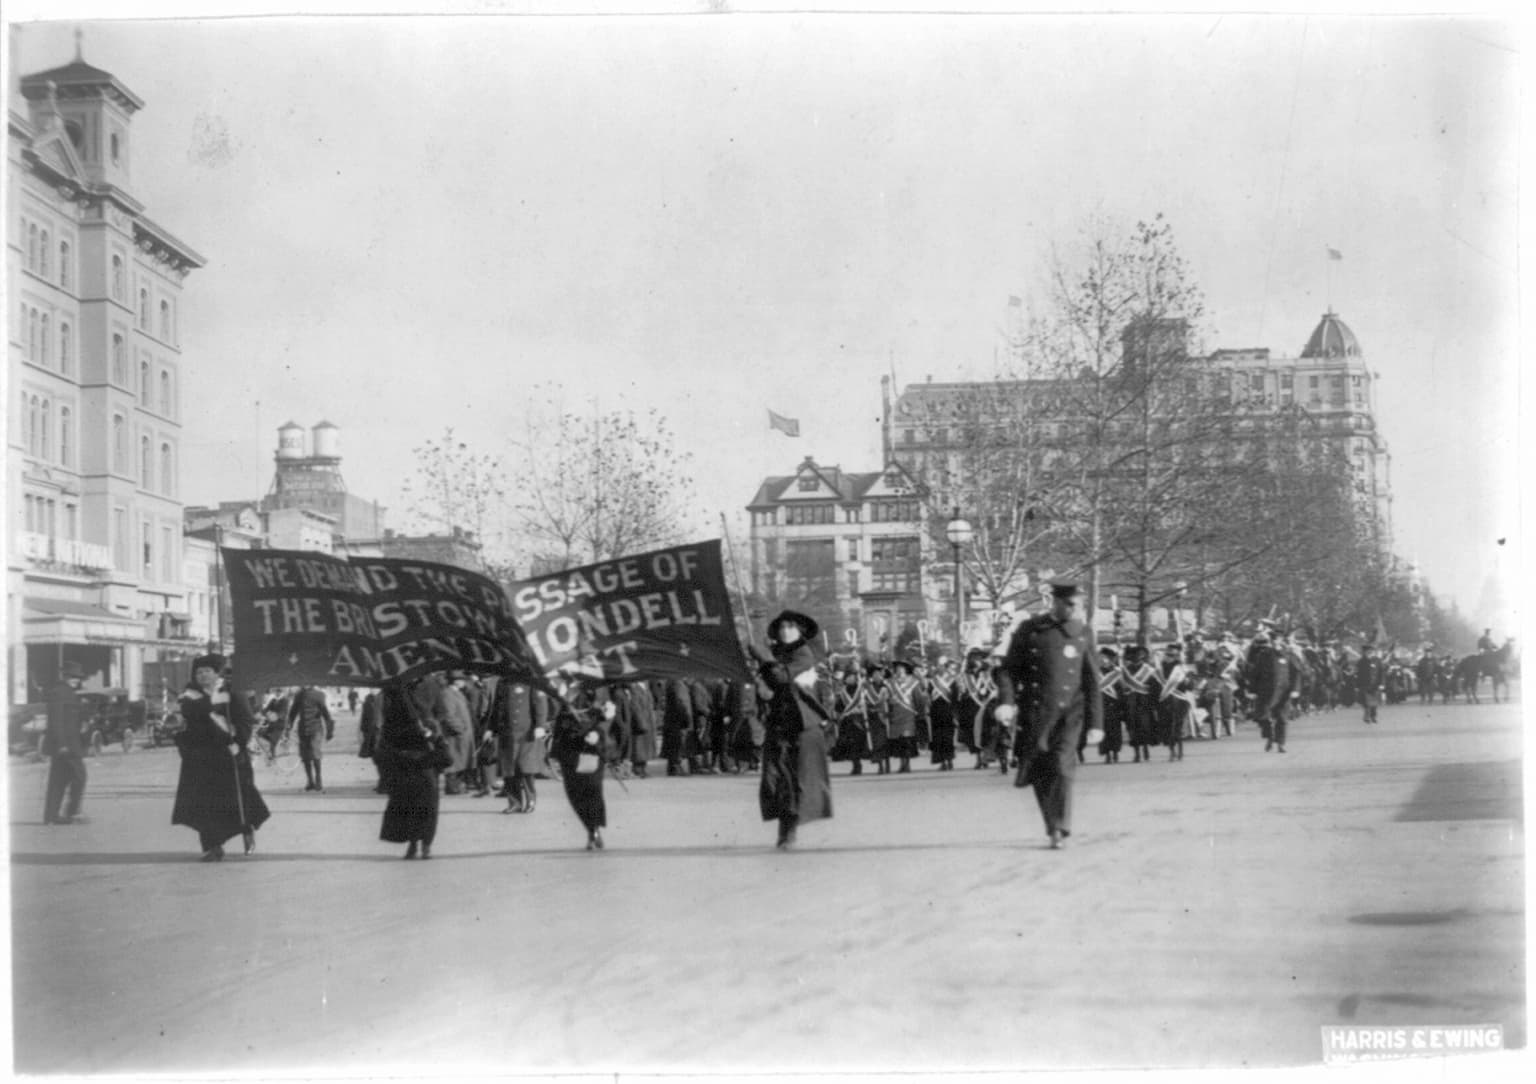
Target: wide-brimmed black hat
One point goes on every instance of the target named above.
(213, 660)
(808, 627)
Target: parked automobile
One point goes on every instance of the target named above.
(110, 718)
(24, 735)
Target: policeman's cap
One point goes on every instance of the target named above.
(1066, 589)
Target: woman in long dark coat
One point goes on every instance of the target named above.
(580, 747)
(796, 783)
(216, 792)
(410, 754)
(520, 717)
(941, 712)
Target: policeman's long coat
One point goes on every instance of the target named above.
(1051, 674)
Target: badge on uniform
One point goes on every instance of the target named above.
(1070, 651)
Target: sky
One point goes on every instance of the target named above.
(416, 222)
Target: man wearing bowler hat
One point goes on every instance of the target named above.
(1049, 681)
(61, 741)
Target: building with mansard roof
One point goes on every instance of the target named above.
(95, 569)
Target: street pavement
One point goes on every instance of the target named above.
(1217, 911)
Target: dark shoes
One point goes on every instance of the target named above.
(213, 854)
(1058, 839)
(410, 850)
(595, 840)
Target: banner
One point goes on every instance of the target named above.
(304, 618)
(662, 614)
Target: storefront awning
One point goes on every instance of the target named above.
(64, 621)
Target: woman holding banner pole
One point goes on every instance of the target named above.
(580, 747)
(796, 784)
(216, 791)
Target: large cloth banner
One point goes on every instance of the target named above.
(304, 618)
(662, 614)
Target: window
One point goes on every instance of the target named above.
(147, 542)
(810, 571)
(851, 514)
(165, 320)
(45, 419)
(799, 515)
(167, 471)
(166, 561)
(115, 146)
(71, 529)
(32, 333)
(64, 264)
(146, 464)
(119, 362)
(143, 309)
(894, 564)
(43, 246)
(165, 392)
(1314, 382)
(119, 447)
(32, 248)
(117, 278)
(121, 545)
(46, 355)
(893, 512)
(1287, 382)
(144, 382)
(66, 350)
(808, 484)
(66, 438)
(852, 542)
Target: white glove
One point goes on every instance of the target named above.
(610, 709)
(1005, 714)
(234, 749)
(1095, 736)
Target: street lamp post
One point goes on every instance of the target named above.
(959, 532)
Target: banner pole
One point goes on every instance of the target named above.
(730, 551)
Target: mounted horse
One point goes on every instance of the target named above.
(1471, 670)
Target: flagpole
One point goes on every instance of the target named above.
(746, 613)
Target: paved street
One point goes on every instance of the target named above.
(1216, 911)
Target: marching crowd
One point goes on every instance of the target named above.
(458, 733)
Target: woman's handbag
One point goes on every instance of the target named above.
(442, 756)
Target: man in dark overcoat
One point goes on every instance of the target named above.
(61, 742)
(1369, 677)
(1049, 683)
(1268, 674)
(312, 716)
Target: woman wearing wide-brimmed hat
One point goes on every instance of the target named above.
(796, 783)
(216, 793)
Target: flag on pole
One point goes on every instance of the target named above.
(790, 427)
(1334, 254)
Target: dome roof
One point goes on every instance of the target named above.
(1332, 339)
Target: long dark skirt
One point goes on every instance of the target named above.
(584, 790)
(1114, 725)
(411, 814)
(1140, 719)
(209, 799)
(942, 715)
(852, 739)
(796, 780)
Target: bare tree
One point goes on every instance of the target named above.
(600, 485)
(455, 487)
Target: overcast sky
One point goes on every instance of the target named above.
(411, 221)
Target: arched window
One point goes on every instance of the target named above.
(165, 393)
(146, 464)
(66, 438)
(66, 349)
(43, 245)
(144, 382)
(167, 472)
(32, 248)
(45, 340)
(119, 444)
(117, 278)
(64, 264)
(165, 320)
(33, 353)
(143, 308)
(119, 363)
(44, 416)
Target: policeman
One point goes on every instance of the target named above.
(1049, 681)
